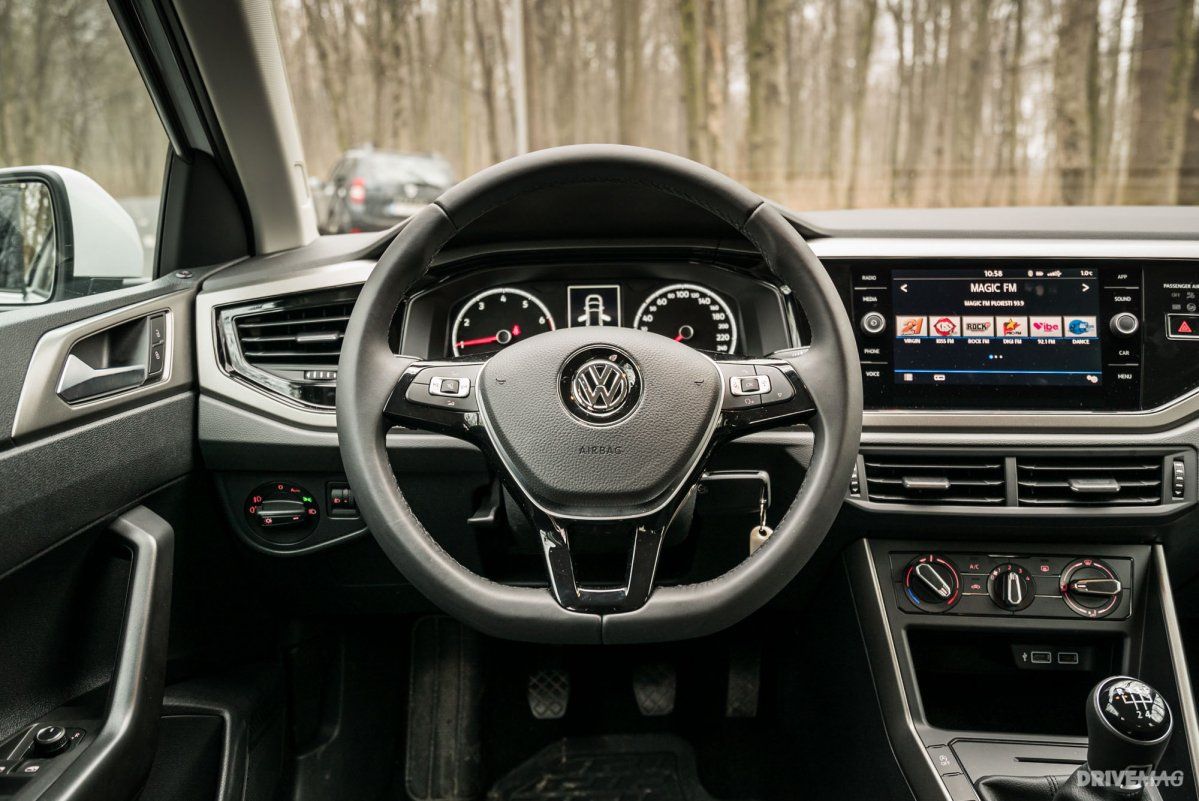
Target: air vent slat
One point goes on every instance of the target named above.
(934, 479)
(1091, 480)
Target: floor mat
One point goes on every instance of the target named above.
(651, 767)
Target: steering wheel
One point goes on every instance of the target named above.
(599, 431)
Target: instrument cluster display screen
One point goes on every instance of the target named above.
(1007, 326)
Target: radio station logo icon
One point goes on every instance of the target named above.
(910, 326)
(978, 326)
(1045, 326)
(1082, 327)
(1015, 327)
(945, 326)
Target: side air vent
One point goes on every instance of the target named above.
(290, 345)
(1107, 480)
(941, 479)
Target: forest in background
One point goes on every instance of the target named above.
(70, 95)
(814, 103)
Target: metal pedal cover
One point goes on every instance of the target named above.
(654, 687)
(549, 693)
(745, 683)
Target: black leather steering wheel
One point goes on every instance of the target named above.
(598, 432)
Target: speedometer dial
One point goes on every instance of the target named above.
(690, 314)
(498, 317)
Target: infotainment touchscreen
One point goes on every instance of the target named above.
(997, 327)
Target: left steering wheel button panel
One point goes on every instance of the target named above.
(445, 387)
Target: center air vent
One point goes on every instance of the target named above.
(940, 479)
(290, 345)
(1106, 480)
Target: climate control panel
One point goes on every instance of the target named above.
(1008, 584)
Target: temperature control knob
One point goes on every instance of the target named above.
(932, 583)
(1091, 588)
(1010, 587)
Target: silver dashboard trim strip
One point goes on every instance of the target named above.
(1182, 679)
(1002, 248)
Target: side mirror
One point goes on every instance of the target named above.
(62, 235)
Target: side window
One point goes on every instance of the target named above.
(82, 153)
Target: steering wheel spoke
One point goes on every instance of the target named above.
(761, 394)
(439, 396)
(644, 536)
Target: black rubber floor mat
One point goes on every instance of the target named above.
(652, 767)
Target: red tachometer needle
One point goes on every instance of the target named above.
(467, 343)
(499, 337)
(678, 338)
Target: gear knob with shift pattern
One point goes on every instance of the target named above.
(1128, 726)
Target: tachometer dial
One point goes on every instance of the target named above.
(689, 314)
(498, 317)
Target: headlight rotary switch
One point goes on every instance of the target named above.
(932, 583)
(1010, 587)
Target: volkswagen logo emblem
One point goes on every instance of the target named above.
(600, 386)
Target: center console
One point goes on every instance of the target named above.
(1067, 335)
(985, 655)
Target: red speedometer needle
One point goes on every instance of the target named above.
(678, 338)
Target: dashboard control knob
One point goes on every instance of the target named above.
(50, 740)
(873, 323)
(282, 511)
(1124, 324)
(1091, 588)
(932, 583)
(1011, 587)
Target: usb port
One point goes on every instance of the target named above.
(1042, 658)
(1067, 657)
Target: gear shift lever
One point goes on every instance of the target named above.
(1128, 727)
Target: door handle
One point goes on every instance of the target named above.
(80, 381)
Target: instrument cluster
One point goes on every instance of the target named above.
(488, 320)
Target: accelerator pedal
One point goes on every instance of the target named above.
(745, 682)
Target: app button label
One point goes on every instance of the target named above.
(910, 326)
(1045, 326)
(946, 326)
(1014, 326)
(1082, 327)
(978, 326)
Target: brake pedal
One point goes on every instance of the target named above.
(654, 687)
(549, 693)
(745, 683)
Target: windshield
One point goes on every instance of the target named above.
(813, 103)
